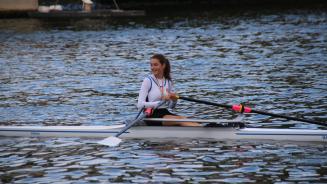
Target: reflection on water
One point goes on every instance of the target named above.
(89, 73)
(138, 161)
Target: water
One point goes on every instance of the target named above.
(89, 73)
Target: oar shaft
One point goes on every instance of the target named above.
(247, 109)
(204, 102)
(139, 118)
(289, 117)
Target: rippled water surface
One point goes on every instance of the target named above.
(88, 72)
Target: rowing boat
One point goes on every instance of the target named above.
(218, 133)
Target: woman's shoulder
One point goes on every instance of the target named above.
(170, 81)
(147, 78)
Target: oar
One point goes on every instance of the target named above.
(241, 108)
(113, 141)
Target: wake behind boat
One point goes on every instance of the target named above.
(217, 133)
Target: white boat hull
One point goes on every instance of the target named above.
(168, 132)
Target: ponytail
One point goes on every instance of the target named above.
(163, 60)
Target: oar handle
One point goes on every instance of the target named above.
(242, 109)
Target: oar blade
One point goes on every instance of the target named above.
(110, 141)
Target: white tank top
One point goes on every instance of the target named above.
(152, 90)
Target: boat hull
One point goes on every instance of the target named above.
(217, 133)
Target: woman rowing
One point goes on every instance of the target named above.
(157, 87)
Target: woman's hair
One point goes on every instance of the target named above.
(163, 60)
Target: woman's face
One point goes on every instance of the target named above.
(157, 68)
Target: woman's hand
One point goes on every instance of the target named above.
(166, 97)
(170, 96)
(173, 96)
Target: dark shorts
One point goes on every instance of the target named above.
(158, 113)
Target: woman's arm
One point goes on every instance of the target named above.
(172, 96)
(144, 91)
